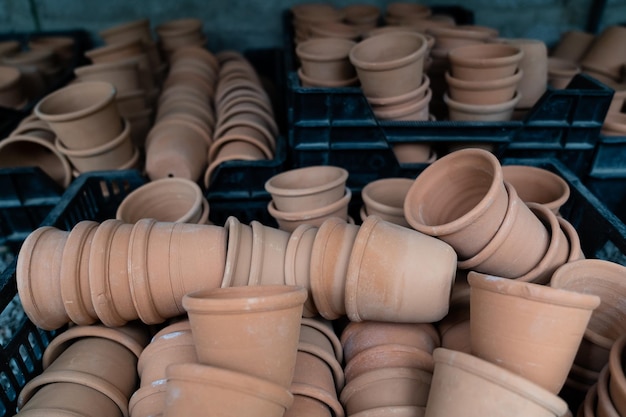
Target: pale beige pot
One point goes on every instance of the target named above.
(326, 59)
(385, 198)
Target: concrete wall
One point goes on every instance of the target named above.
(244, 24)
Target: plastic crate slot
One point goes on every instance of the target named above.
(27, 358)
(35, 345)
(16, 369)
(8, 385)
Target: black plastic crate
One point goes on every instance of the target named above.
(610, 158)
(611, 191)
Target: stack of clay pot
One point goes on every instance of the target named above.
(388, 368)
(482, 82)
(179, 33)
(324, 62)
(88, 126)
(31, 143)
(88, 371)
(62, 46)
(465, 200)
(245, 127)
(318, 375)
(385, 198)
(308, 14)
(178, 143)
(176, 200)
(308, 195)
(11, 89)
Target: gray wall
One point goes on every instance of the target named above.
(241, 24)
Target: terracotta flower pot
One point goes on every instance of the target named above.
(449, 38)
(386, 387)
(416, 110)
(238, 253)
(320, 332)
(330, 256)
(414, 153)
(192, 389)
(385, 199)
(274, 311)
(313, 378)
(305, 405)
(561, 72)
(484, 62)
(617, 380)
(484, 112)
(243, 133)
(537, 185)
(123, 75)
(27, 150)
(267, 266)
(326, 59)
(390, 64)
(604, 405)
(374, 274)
(298, 262)
(493, 91)
(11, 91)
(307, 188)
(388, 356)
(166, 200)
(234, 150)
(83, 116)
(572, 45)
(359, 336)
(575, 251)
(439, 203)
(364, 17)
(474, 387)
(399, 411)
(606, 53)
(602, 278)
(139, 28)
(503, 309)
(148, 401)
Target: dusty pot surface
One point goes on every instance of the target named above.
(504, 309)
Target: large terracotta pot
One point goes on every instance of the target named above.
(503, 310)
(274, 311)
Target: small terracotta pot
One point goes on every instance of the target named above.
(166, 200)
(414, 153)
(494, 91)
(385, 74)
(193, 388)
(439, 204)
(309, 406)
(386, 387)
(606, 53)
(298, 263)
(313, 377)
(233, 150)
(238, 253)
(11, 91)
(267, 266)
(148, 401)
(123, 75)
(309, 82)
(176, 347)
(461, 381)
(416, 110)
(483, 113)
(503, 309)
(360, 336)
(537, 185)
(307, 188)
(326, 59)
(602, 278)
(572, 45)
(274, 311)
(385, 199)
(561, 72)
(449, 38)
(388, 356)
(330, 256)
(83, 116)
(139, 28)
(484, 62)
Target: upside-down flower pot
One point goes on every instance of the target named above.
(273, 311)
(547, 325)
(461, 199)
(463, 384)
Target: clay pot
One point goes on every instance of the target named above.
(274, 311)
(397, 12)
(330, 256)
(417, 94)
(364, 17)
(84, 116)
(309, 82)
(455, 329)
(575, 251)
(461, 381)
(482, 92)
(334, 30)
(385, 74)
(385, 199)
(360, 336)
(118, 51)
(572, 45)
(123, 75)
(37, 272)
(606, 54)
(298, 261)
(290, 220)
(238, 253)
(416, 110)
(320, 332)
(484, 62)
(139, 28)
(502, 309)
(11, 92)
(313, 378)
(23, 150)
(386, 387)
(148, 401)
(192, 389)
(326, 59)
(373, 274)
(166, 200)
(617, 380)
(604, 405)
(614, 125)
(617, 103)
(537, 185)
(307, 188)
(178, 33)
(602, 278)
(521, 232)
(267, 265)
(305, 405)
(388, 356)
(109, 156)
(439, 203)
(484, 113)
(399, 411)
(449, 38)
(414, 153)
(561, 72)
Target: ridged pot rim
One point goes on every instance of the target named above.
(500, 376)
(99, 150)
(463, 31)
(143, 393)
(442, 165)
(114, 66)
(328, 399)
(378, 376)
(245, 299)
(124, 27)
(106, 92)
(545, 176)
(280, 184)
(324, 49)
(324, 83)
(390, 349)
(369, 191)
(616, 366)
(396, 111)
(482, 108)
(494, 84)
(383, 40)
(310, 214)
(485, 55)
(328, 332)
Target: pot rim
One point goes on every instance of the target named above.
(494, 84)
(386, 38)
(386, 101)
(616, 368)
(99, 150)
(470, 55)
(108, 92)
(316, 393)
(377, 376)
(340, 49)
(326, 84)
(370, 189)
(546, 176)
(310, 214)
(339, 176)
(482, 108)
